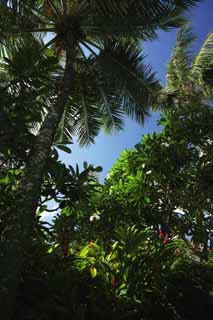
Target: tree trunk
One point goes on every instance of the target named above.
(17, 236)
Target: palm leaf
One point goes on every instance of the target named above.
(138, 19)
(106, 86)
(189, 78)
(122, 67)
(122, 83)
(120, 18)
(179, 66)
(109, 99)
(203, 64)
(82, 115)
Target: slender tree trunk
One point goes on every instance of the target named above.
(17, 236)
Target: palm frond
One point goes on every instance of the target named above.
(118, 80)
(83, 117)
(25, 77)
(23, 18)
(110, 101)
(189, 78)
(111, 112)
(138, 19)
(117, 18)
(106, 86)
(203, 63)
(179, 66)
(122, 66)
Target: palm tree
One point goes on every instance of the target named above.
(189, 74)
(190, 87)
(103, 77)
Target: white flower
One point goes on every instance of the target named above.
(179, 211)
(94, 217)
(165, 144)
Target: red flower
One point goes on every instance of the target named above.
(177, 252)
(165, 240)
(114, 282)
(161, 234)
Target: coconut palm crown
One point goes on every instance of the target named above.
(109, 76)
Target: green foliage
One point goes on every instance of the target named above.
(135, 274)
(108, 81)
(203, 62)
(132, 248)
(25, 89)
(115, 250)
(167, 177)
(188, 75)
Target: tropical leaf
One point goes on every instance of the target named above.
(106, 86)
(203, 64)
(179, 66)
(134, 19)
(189, 76)
(109, 18)
(123, 66)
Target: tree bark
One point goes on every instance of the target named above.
(17, 236)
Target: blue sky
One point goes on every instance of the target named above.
(107, 148)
